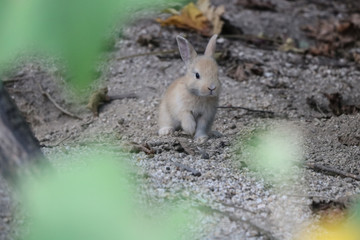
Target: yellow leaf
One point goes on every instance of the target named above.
(190, 18)
(202, 17)
(213, 14)
(346, 230)
(172, 11)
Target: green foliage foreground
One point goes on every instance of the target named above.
(93, 201)
(74, 30)
(96, 201)
(274, 152)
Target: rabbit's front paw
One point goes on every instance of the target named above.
(202, 139)
(166, 131)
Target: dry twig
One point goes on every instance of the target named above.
(249, 109)
(318, 167)
(248, 37)
(15, 79)
(57, 144)
(233, 205)
(19, 78)
(122, 96)
(147, 54)
(260, 41)
(56, 104)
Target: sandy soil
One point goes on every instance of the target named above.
(237, 193)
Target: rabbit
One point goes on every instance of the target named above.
(191, 101)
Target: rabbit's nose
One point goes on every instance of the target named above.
(212, 88)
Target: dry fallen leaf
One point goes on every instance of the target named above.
(325, 49)
(349, 140)
(134, 147)
(356, 57)
(242, 72)
(148, 40)
(338, 107)
(289, 46)
(96, 99)
(332, 35)
(238, 73)
(331, 212)
(213, 14)
(203, 17)
(190, 18)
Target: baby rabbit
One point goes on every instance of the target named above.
(190, 102)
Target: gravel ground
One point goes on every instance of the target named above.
(241, 203)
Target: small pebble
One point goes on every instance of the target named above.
(205, 155)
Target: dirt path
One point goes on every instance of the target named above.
(244, 205)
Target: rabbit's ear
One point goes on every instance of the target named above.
(187, 51)
(210, 48)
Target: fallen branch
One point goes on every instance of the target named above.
(122, 96)
(233, 205)
(15, 79)
(263, 42)
(331, 170)
(249, 109)
(248, 37)
(57, 144)
(147, 54)
(171, 51)
(19, 91)
(61, 141)
(194, 172)
(19, 78)
(235, 218)
(56, 104)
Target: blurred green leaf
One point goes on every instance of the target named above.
(273, 151)
(75, 30)
(92, 201)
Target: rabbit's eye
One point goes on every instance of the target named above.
(197, 75)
